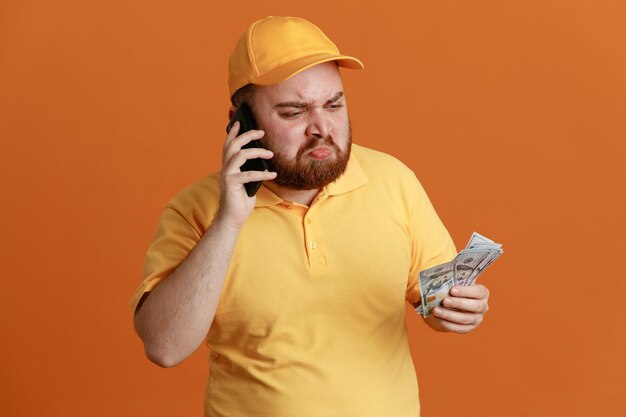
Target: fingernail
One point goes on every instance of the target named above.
(455, 291)
(447, 302)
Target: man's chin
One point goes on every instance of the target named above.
(311, 173)
(317, 174)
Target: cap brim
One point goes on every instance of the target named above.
(292, 68)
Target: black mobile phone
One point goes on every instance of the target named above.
(247, 122)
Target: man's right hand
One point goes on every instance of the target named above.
(235, 205)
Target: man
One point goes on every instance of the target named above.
(299, 291)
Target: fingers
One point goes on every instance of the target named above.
(458, 317)
(235, 205)
(234, 156)
(478, 292)
(233, 178)
(234, 182)
(466, 304)
(234, 130)
(239, 158)
(464, 309)
(234, 143)
(454, 326)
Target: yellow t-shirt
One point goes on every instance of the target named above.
(311, 318)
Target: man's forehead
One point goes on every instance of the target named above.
(320, 83)
(307, 101)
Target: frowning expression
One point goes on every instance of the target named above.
(306, 125)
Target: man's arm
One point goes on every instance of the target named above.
(175, 317)
(462, 311)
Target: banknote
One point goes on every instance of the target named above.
(435, 283)
(479, 240)
(467, 262)
(482, 266)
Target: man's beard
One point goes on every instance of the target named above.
(311, 174)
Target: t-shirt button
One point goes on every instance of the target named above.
(312, 244)
(308, 221)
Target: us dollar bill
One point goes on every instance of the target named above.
(435, 283)
(477, 240)
(467, 262)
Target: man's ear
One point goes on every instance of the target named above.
(231, 112)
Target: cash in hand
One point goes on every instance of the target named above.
(435, 283)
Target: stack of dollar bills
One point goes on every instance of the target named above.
(436, 282)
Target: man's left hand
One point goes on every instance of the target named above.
(462, 311)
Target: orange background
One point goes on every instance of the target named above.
(511, 113)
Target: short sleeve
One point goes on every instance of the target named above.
(174, 239)
(431, 243)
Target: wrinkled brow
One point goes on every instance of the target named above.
(298, 104)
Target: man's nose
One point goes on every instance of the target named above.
(319, 124)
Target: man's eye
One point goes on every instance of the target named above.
(291, 114)
(335, 106)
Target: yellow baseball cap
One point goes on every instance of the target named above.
(276, 48)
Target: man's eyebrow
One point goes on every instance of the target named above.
(300, 105)
(336, 97)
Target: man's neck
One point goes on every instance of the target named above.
(304, 197)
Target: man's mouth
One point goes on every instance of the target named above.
(321, 152)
